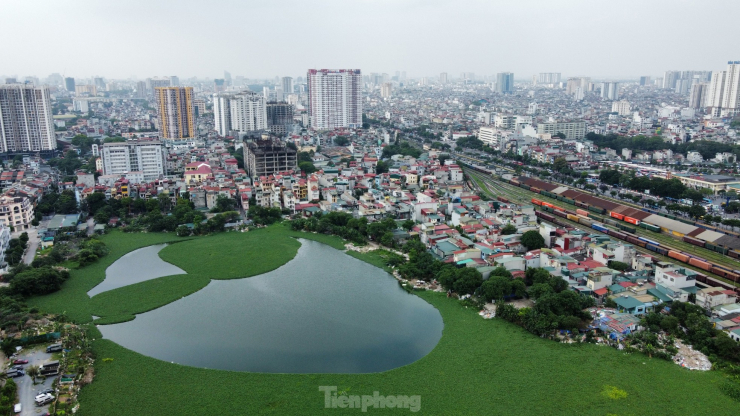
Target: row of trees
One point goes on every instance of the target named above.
(356, 230)
(556, 306)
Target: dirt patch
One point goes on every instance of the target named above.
(690, 358)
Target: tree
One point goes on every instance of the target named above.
(496, 288)
(224, 204)
(408, 225)
(307, 167)
(341, 141)
(560, 164)
(697, 211)
(33, 372)
(381, 167)
(508, 229)
(95, 201)
(468, 280)
(182, 231)
(618, 265)
(532, 240)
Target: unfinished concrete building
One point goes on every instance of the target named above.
(267, 156)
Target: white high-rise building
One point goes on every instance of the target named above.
(610, 90)
(26, 122)
(621, 107)
(335, 98)
(731, 97)
(723, 97)
(248, 112)
(443, 78)
(137, 155)
(698, 95)
(549, 77)
(222, 114)
(385, 89)
(287, 85)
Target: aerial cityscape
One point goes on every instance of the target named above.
(377, 207)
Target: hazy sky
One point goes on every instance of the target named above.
(265, 38)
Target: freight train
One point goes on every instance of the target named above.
(627, 234)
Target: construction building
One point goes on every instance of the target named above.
(264, 157)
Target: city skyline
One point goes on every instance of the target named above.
(415, 44)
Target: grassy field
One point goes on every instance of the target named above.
(479, 366)
(73, 299)
(222, 256)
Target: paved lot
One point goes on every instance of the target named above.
(26, 390)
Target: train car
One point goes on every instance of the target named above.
(596, 209)
(678, 256)
(502, 199)
(557, 208)
(632, 220)
(651, 227)
(734, 254)
(569, 201)
(582, 212)
(631, 230)
(598, 227)
(694, 241)
(651, 247)
(719, 271)
(610, 222)
(585, 221)
(655, 243)
(560, 214)
(572, 217)
(662, 250)
(581, 205)
(534, 189)
(635, 241)
(616, 215)
(700, 264)
(536, 201)
(618, 235)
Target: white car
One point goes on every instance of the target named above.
(17, 408)
(43, 399)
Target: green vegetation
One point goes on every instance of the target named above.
(497, 363)
(494, 365)
(532, 240)
(238, 255)
(404, 149)
(341, 141)
(470, 142)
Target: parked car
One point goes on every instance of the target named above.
(43, 399)
(54, 348)
(20, 362)
(17, 408)
(13, 373)
(47, 391)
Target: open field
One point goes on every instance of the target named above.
(479, 366)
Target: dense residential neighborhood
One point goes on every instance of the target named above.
(585, 211)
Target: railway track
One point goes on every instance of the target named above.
(521, 196)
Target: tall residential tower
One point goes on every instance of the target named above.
(26, 123)
(175, 112)
(335, 98)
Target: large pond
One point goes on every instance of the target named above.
(134, 267)
(322, 312)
